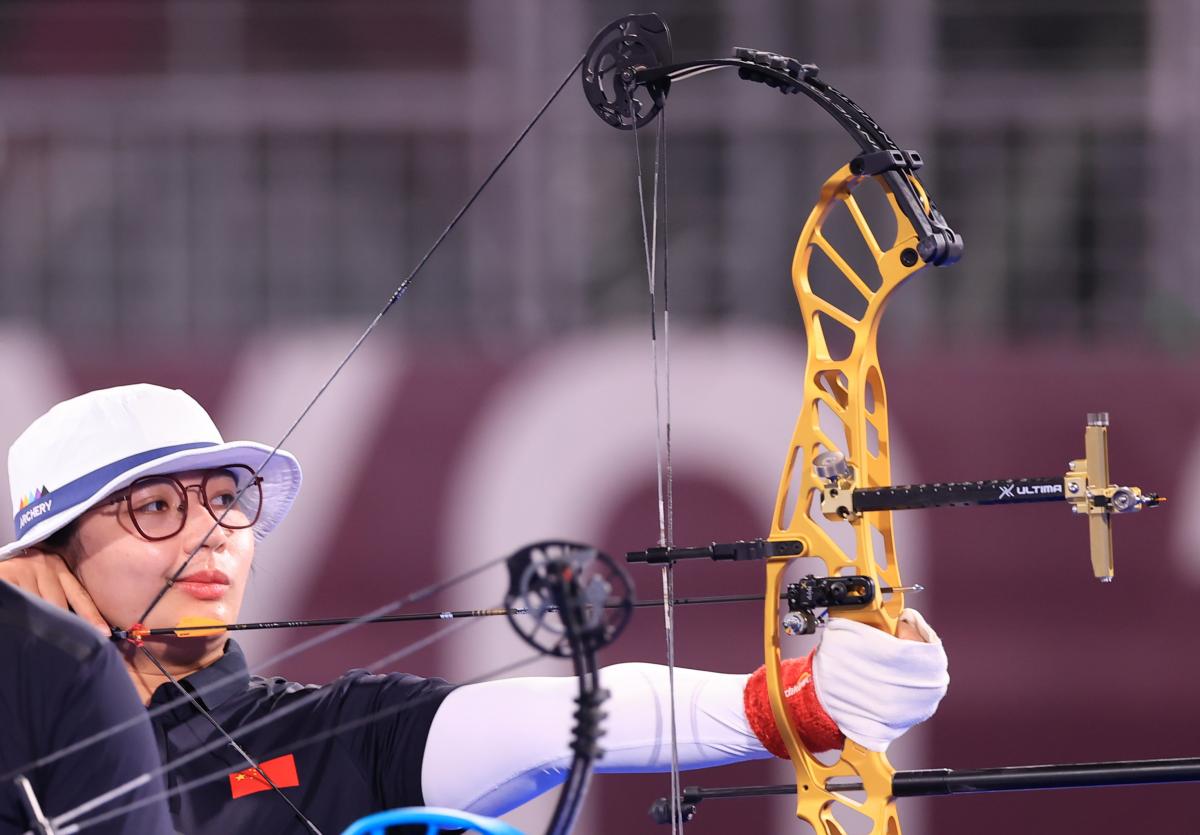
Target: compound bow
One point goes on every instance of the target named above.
(840, 475)
(838, 469)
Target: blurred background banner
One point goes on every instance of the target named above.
(218, 196)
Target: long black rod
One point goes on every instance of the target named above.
(940, 781)
(946, 781)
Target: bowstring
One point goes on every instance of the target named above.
(395, 296)
(669, 568)
(662, 407)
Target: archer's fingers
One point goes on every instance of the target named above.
(908, 632)
(82, 603)
(21, 571)
(50, 589)
(914, 627)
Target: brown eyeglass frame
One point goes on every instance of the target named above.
(124, 496)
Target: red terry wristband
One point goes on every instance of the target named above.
(812, 723)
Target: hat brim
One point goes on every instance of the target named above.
(281, 483)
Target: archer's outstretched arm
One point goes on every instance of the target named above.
(496, 745)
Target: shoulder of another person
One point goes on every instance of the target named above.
(47, 625)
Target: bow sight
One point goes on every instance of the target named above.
(1085, 487)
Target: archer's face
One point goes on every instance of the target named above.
(123, 571)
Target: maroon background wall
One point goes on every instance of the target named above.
(1047, 664)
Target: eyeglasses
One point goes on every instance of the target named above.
(158, 504)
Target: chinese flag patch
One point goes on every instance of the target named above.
(281, 770)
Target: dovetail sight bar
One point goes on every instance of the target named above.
(959, 494)
(1085, 486)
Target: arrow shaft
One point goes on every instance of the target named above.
(451, 614)
(407, 617)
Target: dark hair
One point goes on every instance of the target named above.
(60, 540)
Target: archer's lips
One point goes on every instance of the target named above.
(204, 585)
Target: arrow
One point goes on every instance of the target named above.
(194, 627)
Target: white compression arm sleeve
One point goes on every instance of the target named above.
(496, 745)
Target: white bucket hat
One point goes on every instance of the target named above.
(90, 446)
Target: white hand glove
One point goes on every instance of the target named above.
(876, 686)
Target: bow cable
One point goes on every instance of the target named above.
(400, 290)
(662, 404)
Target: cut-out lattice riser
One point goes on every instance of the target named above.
(844, 410)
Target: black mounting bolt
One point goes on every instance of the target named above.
(908, 257)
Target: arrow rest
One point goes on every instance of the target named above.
(805, 596)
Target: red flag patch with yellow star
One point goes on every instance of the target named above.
(281, 771)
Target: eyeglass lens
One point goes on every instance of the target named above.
(158, 505)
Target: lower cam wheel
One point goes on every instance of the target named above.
(605, 589)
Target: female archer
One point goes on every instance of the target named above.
(113, 490)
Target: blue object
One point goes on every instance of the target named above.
(433, 817)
